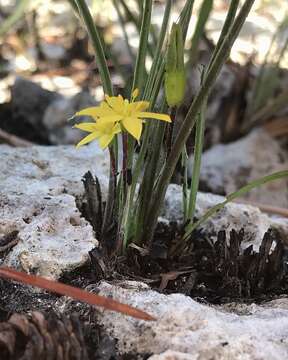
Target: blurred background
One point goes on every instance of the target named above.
(47, 72)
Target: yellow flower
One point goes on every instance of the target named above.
(116, 111)
(101, 130)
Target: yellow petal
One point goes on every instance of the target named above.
(105, 109)
(134, 126)
(138, 106)
(90, 127)
(96, 111)
(105, 140)
(115, 102)
(105, 127)
(111, 118)
(92, 111)
(88, 139)
(151, 115)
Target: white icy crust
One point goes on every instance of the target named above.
(186, 329)
(37, 198)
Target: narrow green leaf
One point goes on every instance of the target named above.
(245, 189)
(143, 43)
(226, 27)
(157, 57)
(185, 17)
(97, 45)
(122, 23)
(205, 10)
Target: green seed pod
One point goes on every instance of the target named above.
(175, 78)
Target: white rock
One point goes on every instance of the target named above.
(50, 170)
(226, 168)
(186, 329)
(52, 235)
(173, 355)
(39, 187)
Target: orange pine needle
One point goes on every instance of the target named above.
(74, 293)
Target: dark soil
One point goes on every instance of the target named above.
(216, 273)
(219, 272)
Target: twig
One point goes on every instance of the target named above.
(265, 208)
(277, 127)
(74, 293)
(14, 140)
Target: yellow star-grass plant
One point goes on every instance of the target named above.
(114, 115)
(125, 218)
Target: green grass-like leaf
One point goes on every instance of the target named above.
(205, 10)
(96, 42)
(199, 140)
(245, 189)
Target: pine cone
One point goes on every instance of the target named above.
(35, 337)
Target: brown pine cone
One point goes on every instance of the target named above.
(35, 337)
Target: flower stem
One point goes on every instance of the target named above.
(124, 163)
(199, 139)
(111, 199)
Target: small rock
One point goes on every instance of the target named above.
(53, 52)
(29, 101)
(227, 168)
